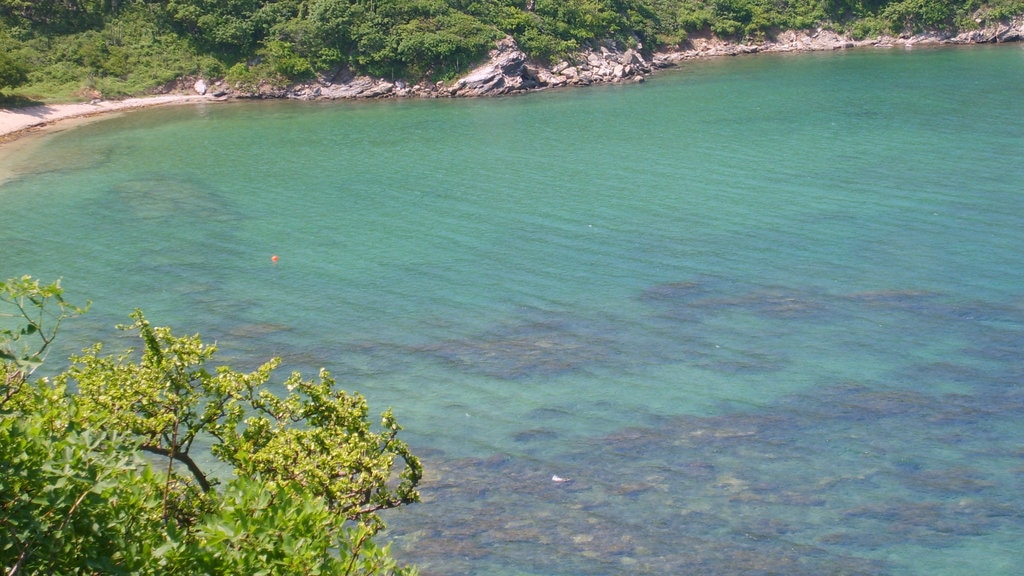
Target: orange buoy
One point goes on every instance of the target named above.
(274, 258)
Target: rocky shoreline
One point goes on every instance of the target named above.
(509, 71)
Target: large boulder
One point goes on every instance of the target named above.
(504, 73)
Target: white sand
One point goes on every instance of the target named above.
(16, 121)
(19, 123)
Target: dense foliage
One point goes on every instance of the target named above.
(127, 46)
(99, 471)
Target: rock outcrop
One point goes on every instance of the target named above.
(1012, 31)
(508, 70)
(824, 40)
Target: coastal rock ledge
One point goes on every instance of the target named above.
(508, 70)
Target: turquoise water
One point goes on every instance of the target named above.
(767, 314)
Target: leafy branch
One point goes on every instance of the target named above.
(78, 496)
(31, 314)
(315, 435)
(38, 311)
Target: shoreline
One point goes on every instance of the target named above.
(18, 122)
(508, 71)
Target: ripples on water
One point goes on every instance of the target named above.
(851, 477)
(764, 315)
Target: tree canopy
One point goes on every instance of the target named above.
(129, 46)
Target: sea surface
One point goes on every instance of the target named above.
(764, 315)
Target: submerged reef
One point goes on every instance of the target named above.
(817, 483)
(847, 477)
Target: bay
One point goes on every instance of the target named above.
(766, 314)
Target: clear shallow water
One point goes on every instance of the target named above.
(766, 313)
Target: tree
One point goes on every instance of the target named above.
(104, 479)
(60, 16)
(72, 501)
(12, 72)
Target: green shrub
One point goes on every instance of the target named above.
(241, 76)
(13, 73)
(1004, 9)
(77, 496)
(283, 61)
(916, 15)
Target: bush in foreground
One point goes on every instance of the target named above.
(99, 474)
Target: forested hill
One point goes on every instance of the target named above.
(64, 48)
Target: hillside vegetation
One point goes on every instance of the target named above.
(65, 49)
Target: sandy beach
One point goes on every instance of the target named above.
(15, 122)
(19, 123)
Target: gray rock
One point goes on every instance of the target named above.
(632, 57)
(506, 72)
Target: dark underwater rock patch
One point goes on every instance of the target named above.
(533, 349)
(813, 484)
(161, 198)
(1001, 344)
(932, 523)
(699, 299)
(675, 291)
(740, 362)
(257, 329)
(708, 296)
(569, 529)
(535, 435)
(930, 374)
(894, 299)
(950, 480)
